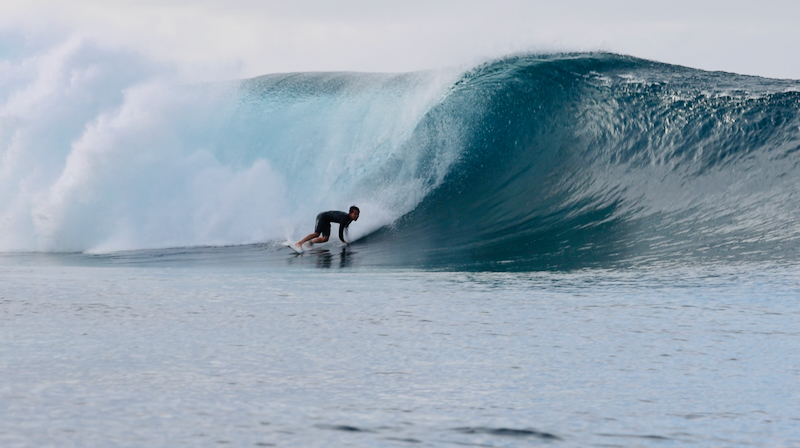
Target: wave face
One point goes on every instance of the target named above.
(595, 160)
(530, 162)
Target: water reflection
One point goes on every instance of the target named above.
(326, 258)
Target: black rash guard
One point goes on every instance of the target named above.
(325, 219)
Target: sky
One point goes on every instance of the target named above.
(246, 38)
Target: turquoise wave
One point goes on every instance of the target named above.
(526, 162)
(591, 160)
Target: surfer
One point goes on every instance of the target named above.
(323, 226)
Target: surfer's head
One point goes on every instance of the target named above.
(354, 212)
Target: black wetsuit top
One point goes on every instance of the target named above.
(325, 219)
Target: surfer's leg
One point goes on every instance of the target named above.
(323, 228)
(319, 229)
(310, 236)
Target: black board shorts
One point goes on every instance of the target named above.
(323, 225)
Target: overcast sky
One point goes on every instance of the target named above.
(247, 38)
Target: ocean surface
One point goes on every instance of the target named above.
(553, 250)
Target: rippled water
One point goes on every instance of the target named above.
(258, 354)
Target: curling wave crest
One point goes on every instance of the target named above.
(527, 162)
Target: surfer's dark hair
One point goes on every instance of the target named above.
(353, 207)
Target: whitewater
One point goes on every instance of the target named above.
(582, 249)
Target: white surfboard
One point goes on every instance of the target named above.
(290, 245)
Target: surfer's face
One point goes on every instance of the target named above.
(354, 215)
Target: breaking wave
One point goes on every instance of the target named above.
(526, 162)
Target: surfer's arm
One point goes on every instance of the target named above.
(341, 234)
